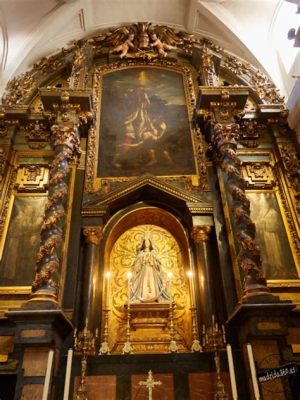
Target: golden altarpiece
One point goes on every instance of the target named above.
(149, 224)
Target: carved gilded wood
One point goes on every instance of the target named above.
(122, 258)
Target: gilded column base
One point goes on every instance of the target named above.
(259, 294)
(42, 299)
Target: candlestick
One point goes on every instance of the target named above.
(173, 345)
(104, 348)
(48, 375)
(231, 372)
(220, 393)
(196, 347)
(129, 276)
(170, 275)
(192, 291)
(213, 337)
(127, 348)
(107, 289)
(224, 333)
(253, 372)
(68, 374)
(84, 343)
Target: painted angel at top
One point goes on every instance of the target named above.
(160, 46)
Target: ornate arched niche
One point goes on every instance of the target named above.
(150, 321)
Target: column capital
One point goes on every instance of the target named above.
(93, 234)
(200, 233)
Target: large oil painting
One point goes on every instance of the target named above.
(144, 124)
(277, 258)
(22, 241)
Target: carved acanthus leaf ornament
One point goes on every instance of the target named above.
(93, 234)
(4, 152)
(291, 162)
(258, 81)
(37, 133)
(18, 88)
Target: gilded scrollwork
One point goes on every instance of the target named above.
(266, 89)
(18, 89)
(258, 175)
(201, 160)
(4, 153)
(3, 129)
(291, 162)
(249, 132)
(207, 72)
(290, 221)
(78, 77)
(93, 234)
(47, 65)
(37, 133)
(122, 258)
(7, 196)
(90, 161)
(258, 81)
(32, 178)
(238, 67)
(200, 233)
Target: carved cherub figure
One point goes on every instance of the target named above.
(160, 46)
(125, 46)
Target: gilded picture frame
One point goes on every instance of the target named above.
(273, 237)
(16, 188)
(149, 111)
(27, 178)
(22, 239)
(265, 179)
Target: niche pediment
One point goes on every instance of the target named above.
(147, 188)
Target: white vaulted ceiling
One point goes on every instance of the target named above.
(255, 30)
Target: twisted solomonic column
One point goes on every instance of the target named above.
(224, 141)
(66, 146)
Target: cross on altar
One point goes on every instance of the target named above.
(150, 383)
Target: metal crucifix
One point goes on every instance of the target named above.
(150, 383)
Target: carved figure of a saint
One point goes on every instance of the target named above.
(148, 283)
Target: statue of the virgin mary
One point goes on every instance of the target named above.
(148, 283)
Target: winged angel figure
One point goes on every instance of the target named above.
(142, 39)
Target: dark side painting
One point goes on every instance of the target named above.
(277, 258)
(22, 241)
(144, 124)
